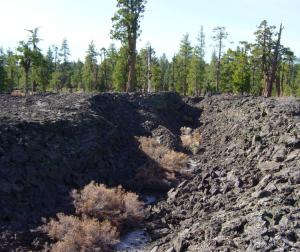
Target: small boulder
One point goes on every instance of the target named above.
(279, 153)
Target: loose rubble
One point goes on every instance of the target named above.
(245, 192)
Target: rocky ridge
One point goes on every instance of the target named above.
(245, 191)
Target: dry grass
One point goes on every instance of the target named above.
(112, 204)
(190, 139)
(77, 235)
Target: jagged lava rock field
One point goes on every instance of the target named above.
(243, 188)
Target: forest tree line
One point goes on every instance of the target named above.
(246, 69)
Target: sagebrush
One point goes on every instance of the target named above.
(160, 171)
(112, 204)
(190, 139)
(73, 234)
(101, 214)
(169, 160)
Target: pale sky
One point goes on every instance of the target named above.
(164, 23)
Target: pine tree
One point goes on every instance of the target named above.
(165, 78)
(2, 71)
(30, 56)
(90, 69)
(296, 84)
(219, 37)
(268, 45)
(48, 69)
(38, 62)
(40, 75)
(241, 75)
(64, 66)
(64, 51)
(211, 71)
(185, 56)
(120, 71)
(77, 76)
(11, 70)
(25, 58)
(50, 60)
(111, 61)
(200, 47)
(126, 27)
(196, 75)
(103, 70)
(227, 70)
(142, 70)
(256, 75)
(156, 75)
(55, 82)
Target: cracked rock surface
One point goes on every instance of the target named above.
(244, 194)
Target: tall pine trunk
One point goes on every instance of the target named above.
(274, 67)
(131, 65)
(278, 86)
(219, 65)
(26, 81)
(149, 83)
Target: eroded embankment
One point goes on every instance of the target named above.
(51, 144)
(245, 192)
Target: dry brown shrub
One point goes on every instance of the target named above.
(190, 139)
(102, 212)
(168, 159)
(174, 161)
(152, 148)
(160, 172)
(134, 212)
(113, 204)
(74, 234)
(186, 140)
(152, 177)
(17, 93)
